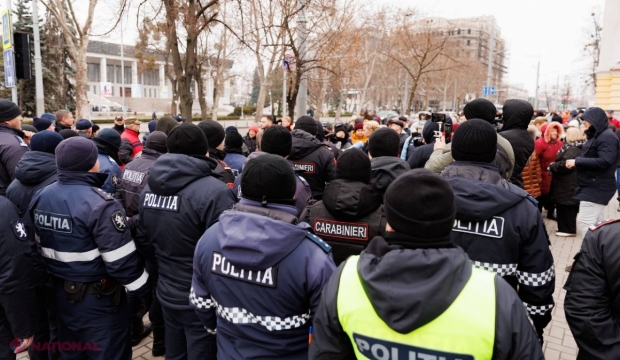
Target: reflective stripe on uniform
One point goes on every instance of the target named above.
(536, 279)
(537, 310)
(119, 253)
(139, 282)
(465, 330)
(499, 269)
(67, 257)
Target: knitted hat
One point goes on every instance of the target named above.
(233, 140)
(480, 109)
(157, 141)
(152, 126)
(8, 110)
(67, 133)
(83, 124)
(307, 124)
(26, 127)
(165, 124)
(48, 116)
(231, 128)
(214, 132)
(320, 132)
(427, 214)
(277, 140)
(187, 139)
(556, 118)
(358, 126)
(45, 141)
(475, 140)
(76, 154)
(268, 178)
(254, 128)
(41, 124)
(353, 165)
(383, 142)
(110, 137)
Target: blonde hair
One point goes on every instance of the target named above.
(533, 130)
(540, 120)
(574, 134)
(371, 125)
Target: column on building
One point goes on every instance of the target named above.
(162, 82)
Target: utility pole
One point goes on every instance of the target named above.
(122, 67)
(38, 69)
(14, 88)
(302, 33)
(537, 78)
(491, 49)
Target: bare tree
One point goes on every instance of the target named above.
(592, 47)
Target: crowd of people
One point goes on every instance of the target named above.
(375, 238)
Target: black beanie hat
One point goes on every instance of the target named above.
(165, 124)
(383, 142)
(233, 140)
(354, 165)
(67, 133)
(426, 214)
(45, 141)
(277, 140)
(475, 140)
(157, 141)
(8, 110)
(110, 137)
(214, 131)
(320, 132)
(480, 109)
(269, 178)
(307, 124)
(187, 139)
(41, 124)
(76, 154)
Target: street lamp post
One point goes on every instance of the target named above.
(38, 68)
(302, 33)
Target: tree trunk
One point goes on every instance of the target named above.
(201, 95)
(260, 103)
(216, 94)
(343, 98)
(81, 81)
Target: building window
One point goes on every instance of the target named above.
(93, 72)
(468, 31)
(110, 73)
(154, 93)
(127, 74)
(468, 42)
(150, 77)
(459, 32)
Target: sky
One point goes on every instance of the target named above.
(552, 30)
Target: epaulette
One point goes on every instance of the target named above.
(106, 196)
(602, 223)
(532, 199)
(317, 240)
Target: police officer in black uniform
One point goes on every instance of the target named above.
(85, 243)
(351, 212)
(312, 156)
(183, 198)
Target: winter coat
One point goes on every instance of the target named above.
(315, 159)
(12, 148)
(564, 179)
(386, 169)
(33, 172)
(250, 143)
(420, 155)
(504, 159)
(532, 177)
(500, 228)
(409, 288)
(222, 171)
(235, 160)
(130, 146)
(134, 179)
(348, 217)
(302, 190)
(592, 302)
(547, 151)
(258, 276)
(596, 167)
(181, 201)
(109, 164)
(517, 117)
(17, 301)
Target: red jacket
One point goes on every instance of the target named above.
(547, 151)
(615, 123)
(131, 137)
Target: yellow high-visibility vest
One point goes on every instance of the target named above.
(465, 331)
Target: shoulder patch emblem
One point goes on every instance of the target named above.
(317, 240)
(603, 223)
(114, 180)
(21, 141)
(106, 196)
(19, 229)
(119, 221)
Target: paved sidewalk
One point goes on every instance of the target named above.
(559, 342)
